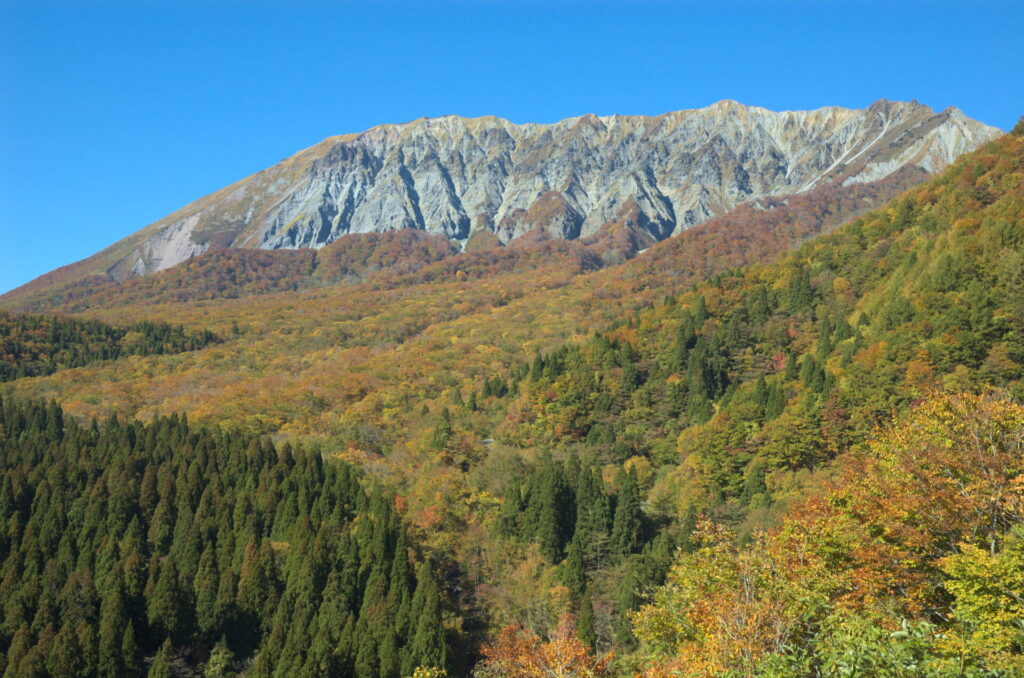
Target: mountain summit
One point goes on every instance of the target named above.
(462, 176)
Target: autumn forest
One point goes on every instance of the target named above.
(787, 442)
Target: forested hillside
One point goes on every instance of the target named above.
(234, 273)
(730, 401)
(790, 363)
(124, 541)
(34, 345)
(712, 460)
(909, 562)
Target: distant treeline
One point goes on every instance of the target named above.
(37, 345)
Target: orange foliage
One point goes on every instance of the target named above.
(946, 474)
(519, 653)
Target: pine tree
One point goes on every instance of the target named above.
(113, 623)
(626, 525)
(389, 658)
(367, 662)
(754, 488)
(551, 510)
(206, 583)
(585, 621)
(443, 430)
(161, 666)
(258, 582)
(220, 661)
(166, 608)
(627, 600)
(130, 664)
(427, 646)
(761, 394)
(399, 596)
(67, 656)
(572, 572)
(775, 402)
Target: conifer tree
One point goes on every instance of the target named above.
(775, 403)
(443, 431)
(367, 662)
(207, 583)
(130, 662)
(113, 623)
(625, 536)
(627, 600)
(166, 609)
(585, 621)
(572, 572)
(220, 661)
(427, 647)
(67, 656)
(161, 666)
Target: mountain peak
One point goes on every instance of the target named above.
(451, 175)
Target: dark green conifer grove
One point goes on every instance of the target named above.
(127, 546)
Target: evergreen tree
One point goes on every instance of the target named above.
(443, 430)
(367, 662)
(161, 666)
(67, 656)
(551, 510)
(199, 565)
(626, 525)
(129, 659)
(754, 488)
(166, 608)
(572, 572)
(113, 623)
(626, 601)
(585, 621)
(427, 647)
(220, 661)
(774, 403)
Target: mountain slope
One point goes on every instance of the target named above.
(506, 424)
(784, 390)
(456, 176)
(407, 257)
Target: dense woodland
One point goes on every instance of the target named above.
(811, 465)
(35, 345)
(124, 541)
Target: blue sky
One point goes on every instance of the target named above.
(114, 114)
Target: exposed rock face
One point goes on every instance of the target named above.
(455, 176)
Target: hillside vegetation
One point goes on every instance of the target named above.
(124, 541)
(35, 345)
(719, 458)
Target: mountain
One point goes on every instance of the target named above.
(459, 177)
(413, 258)
(698, 434)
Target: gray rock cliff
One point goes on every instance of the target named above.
(454, 175)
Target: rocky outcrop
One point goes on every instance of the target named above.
(455, 176)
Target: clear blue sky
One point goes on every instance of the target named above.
(114, 114)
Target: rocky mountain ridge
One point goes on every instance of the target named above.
(460, 177)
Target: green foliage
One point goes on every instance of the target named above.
(125, 538)
(36, 345)
(849, 646)
(220, 662)
(585, 621)
(628, 521)
(161, 666)
(987, 586)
